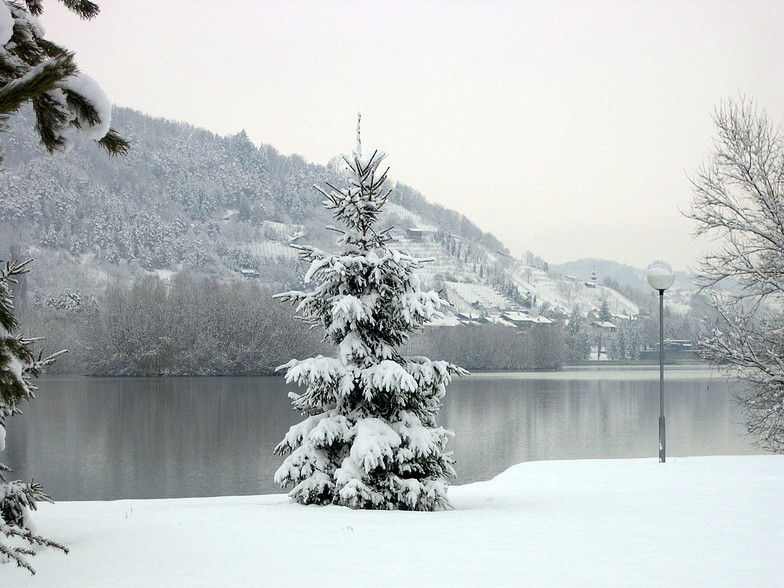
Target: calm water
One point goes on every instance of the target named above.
(110, 438)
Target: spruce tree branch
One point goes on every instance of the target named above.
(84, 8)
(114, 143)
(50, 118)
(84, 108)
(35, 7)
(38, 81)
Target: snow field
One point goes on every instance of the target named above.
(440, 264)
(698, 521)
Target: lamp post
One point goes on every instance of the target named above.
(661, 277)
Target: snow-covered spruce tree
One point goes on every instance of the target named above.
(739, 197)
(65, 101)
(370, 439)
(33, 69)
(17, 363)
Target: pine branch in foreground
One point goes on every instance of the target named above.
(34, 69)
(35, 82)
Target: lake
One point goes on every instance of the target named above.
(112, 438)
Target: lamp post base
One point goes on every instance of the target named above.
(662, 441)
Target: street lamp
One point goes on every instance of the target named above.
(661, 277)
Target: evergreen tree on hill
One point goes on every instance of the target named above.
(370, 438)
(604, 312)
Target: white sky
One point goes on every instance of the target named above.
(565, 128)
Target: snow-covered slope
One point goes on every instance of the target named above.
(185, 199)
(480, 281)
(565, 293)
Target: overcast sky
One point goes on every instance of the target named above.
(568, 129)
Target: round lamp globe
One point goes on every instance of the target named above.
(660, 274)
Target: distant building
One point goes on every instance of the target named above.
(600, 328)
(678, 345)
(523, 319)
(248, 272)
(420, 233)
(469, 318)
(448, 320)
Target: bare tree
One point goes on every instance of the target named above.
(739, 198)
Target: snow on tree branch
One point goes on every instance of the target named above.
(33, 69)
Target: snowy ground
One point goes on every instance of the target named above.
(698, 521)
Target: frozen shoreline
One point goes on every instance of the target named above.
(697, 521)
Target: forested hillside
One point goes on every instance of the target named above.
(182, 199)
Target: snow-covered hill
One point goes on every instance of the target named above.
(187, 200)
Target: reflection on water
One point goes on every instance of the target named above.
(96, 438)
(504, 419)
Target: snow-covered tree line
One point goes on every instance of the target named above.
(190, 327)
(739, 198)
(206, 327)
(250, 336)
(65, 102)
(370, 437)
(494, 347)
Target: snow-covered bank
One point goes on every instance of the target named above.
(698, 521)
